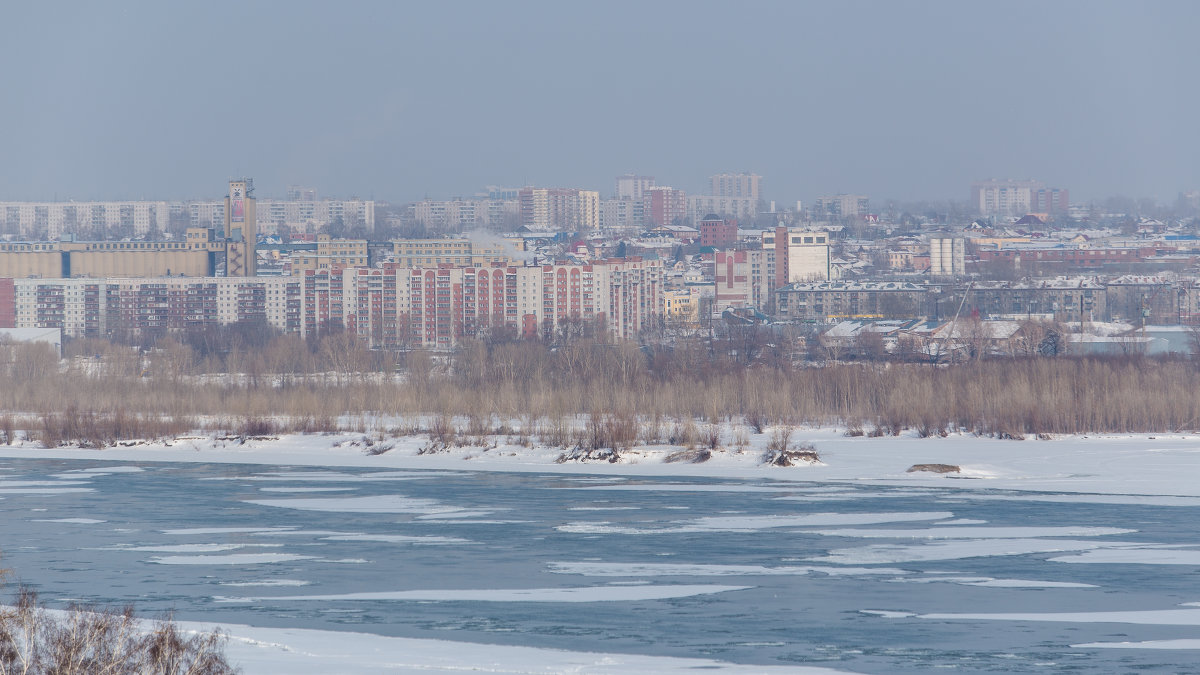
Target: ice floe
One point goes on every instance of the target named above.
(374, 504)
(606, 569)
(606, 593)
(232, 559)
(975, 532)
(1136, 556)
(398, 539)
(957, 550)
(753, 523)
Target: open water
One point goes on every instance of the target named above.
(755, 572)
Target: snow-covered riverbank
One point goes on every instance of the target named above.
(1158, 469)
(1117, 464)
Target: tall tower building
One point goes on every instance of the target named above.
(241, 229)
(663, 205)
(736, 185)
(632, 187)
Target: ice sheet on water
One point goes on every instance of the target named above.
(399, 539)
(305, 489)
(455, 514)
(1183, 643)
(753, 523)
(8, 484)
(1132, 500)
(843, 495)
(1156, 617)
(609, 569)
(232, 559)
(957, 550)
(184, 548)
(98, 471)
(606, 593)
(373, 504)
(227, 530)
(678, 487)
(267, 582)
(1138, 556)
(962, 521)
(311, 652)
(336, 476)
(974, 532)
(989, 582)
(44, 490)
(75, 521)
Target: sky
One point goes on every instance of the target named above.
(400, 101)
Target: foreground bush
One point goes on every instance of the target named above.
(87, 641)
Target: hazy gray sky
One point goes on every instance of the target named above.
(402, 100)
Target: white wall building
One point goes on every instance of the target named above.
(748, 185)
(947, 256)
(53, 220)
(742, 208)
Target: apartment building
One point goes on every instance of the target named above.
(459, 215)
(559, 209)
(747, 185)
(841, 206)
(447, 251)
(435, 307)
(151, 306)
(833, 300)
(743, 278)
(663, 205)
(331, 253)
(717, 232)
(1017, 197)
(741, 208)
(801, 255)
(98, 220)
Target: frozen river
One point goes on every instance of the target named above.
(849, 576)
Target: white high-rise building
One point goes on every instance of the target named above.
(87, 220)
(632, 187)
(947, 256)
(1004, 197)
(748, 185)
(742, 208)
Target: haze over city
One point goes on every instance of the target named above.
(400, 101)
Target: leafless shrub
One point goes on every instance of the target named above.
(557, 433)
(8, 428)
(256, 426)
(685, 434)
(741, 441)
(780, 439)
(712, 436)
(441, 429)
(791, 456)
(756, 420)
(94, 640)
(854, 427)
(652, 430)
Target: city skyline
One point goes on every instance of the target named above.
(137, 100)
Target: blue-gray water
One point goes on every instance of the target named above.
(518, 526)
